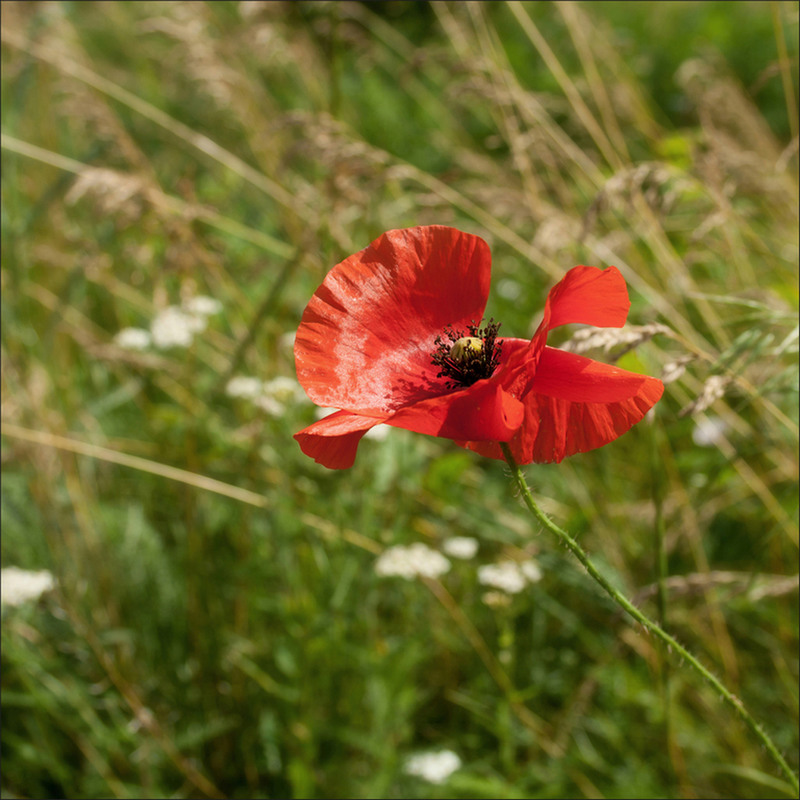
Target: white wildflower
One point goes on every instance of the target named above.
(510, 576)
(269, 404)
(244, 386)
(173, 327)
(284, 389)
(202, 306)
(408, 562)
(506, 576)
(709, 431)
(278, 393)
(460, 546)
(133, 339)
(21, 585)
(433, 767)
(531, 570)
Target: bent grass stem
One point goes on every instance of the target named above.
(644, 620)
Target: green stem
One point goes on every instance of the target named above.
(651, 626)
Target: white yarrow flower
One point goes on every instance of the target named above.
(133, 339)
(244, 386)
(21, 585)
(506, 576)
(272, 396)
(278, 393)
(408, 562)
(433, 767)
(269, 404)
(202, 306)
(510, 576)
(173, 327)
(531, 570)
(284, 389)
(460, 546)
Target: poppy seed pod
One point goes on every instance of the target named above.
(465, 348)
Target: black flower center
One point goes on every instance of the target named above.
(467, 356)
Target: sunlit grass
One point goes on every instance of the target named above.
(217, 625)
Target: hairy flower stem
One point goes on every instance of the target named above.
(651, 626)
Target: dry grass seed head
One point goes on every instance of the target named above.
(196, 57)
(114, 193)
(630, 336)
(713, 389)
(743, 153)
(674, 370)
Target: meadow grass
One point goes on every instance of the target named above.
(218, 627)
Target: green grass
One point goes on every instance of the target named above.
(218, 628)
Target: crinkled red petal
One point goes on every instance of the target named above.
(333, 441)
(484, 411)
(575, 405)
(589, 296)
(585, 295)
(366, 337)
(577, 379)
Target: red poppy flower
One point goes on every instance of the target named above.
(393, 336)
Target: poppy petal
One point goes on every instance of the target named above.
(366, 337)
(568, 376)
(589, 296)
(333, 441)
(585, 295)
(575, 405)
(484, 411)
(517, 366)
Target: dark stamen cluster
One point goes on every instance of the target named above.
(473, 364)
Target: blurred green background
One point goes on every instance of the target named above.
(217, 626)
